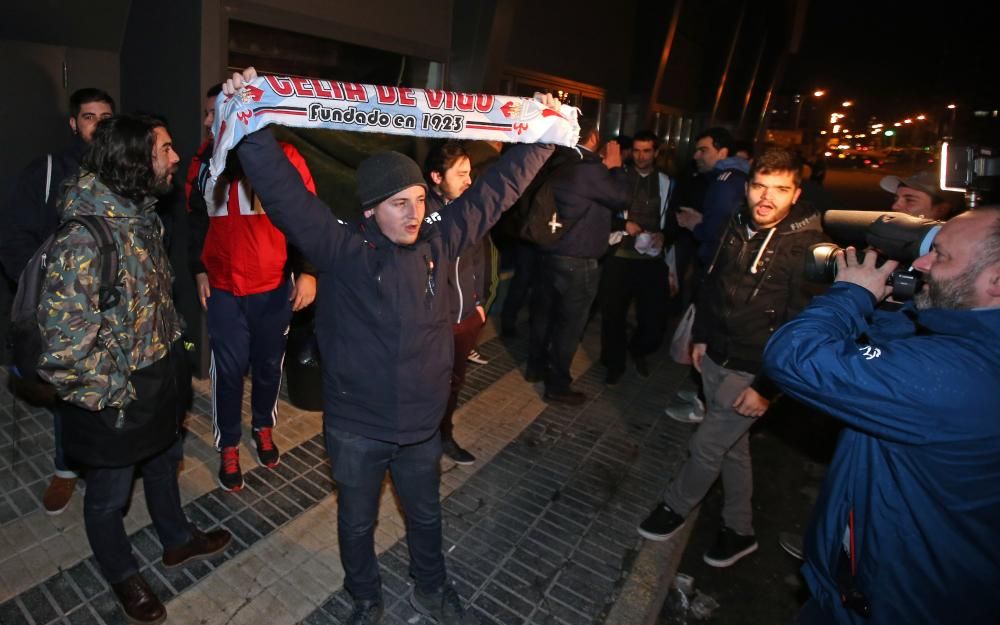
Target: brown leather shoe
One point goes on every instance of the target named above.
(58, 495)
(139, 602)
(201, 545)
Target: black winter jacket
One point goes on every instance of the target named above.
(586, 193)
(27, 218)
(470, 277)
(383, 319)
(749, 292)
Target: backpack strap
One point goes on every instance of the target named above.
(48, 178)
(109, 295)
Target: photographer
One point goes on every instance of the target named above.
(906, 527)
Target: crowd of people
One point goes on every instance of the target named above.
(903, 531)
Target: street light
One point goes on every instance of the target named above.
(819, 93)
(951, 126)
(847, 103)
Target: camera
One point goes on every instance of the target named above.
(973, 170)
(895, 236)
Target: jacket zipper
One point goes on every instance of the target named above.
(458, 287)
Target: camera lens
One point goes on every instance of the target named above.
(821, 266)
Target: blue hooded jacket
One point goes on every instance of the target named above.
(916, 473)
(724, 197)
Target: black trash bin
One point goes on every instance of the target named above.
(303, 371)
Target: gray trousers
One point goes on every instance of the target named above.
(721, 444)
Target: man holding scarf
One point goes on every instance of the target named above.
(384, 330)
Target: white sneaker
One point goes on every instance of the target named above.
(688, 394)
(686, 410)
(476, 357)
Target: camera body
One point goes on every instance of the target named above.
(973, 170)
(895, 236)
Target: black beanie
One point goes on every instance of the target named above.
(384, 174)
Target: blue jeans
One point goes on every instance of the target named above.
(359, 464)
(564, 290)
(525, 267)
(107, 497)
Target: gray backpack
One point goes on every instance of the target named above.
(24, 337)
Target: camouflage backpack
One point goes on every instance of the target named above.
(24, 337)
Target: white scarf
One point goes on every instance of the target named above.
(314, 103)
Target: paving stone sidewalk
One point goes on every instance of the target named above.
(540, 530)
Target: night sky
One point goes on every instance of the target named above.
(897, 59)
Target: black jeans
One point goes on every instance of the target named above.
(358, 464)
(564, 290)
(622, 281)
(108, 493)
(525, 268)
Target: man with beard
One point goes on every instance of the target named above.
(29, 217)
(119, 371)
(635, 270)
(449, 172)
(753, 285)
(906, 525)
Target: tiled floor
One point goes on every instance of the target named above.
(539, 530)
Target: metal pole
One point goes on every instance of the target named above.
(798, 26)
(753, 81)
(668, 44)
(729, 62)
(762, 122)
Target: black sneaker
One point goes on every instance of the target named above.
(533, 375)
(614, 377)
(230, 475)
(729, 548)
(443, 607)
(455, 453)
(641, 366)
(792, 544)
(661, 524)
(267, 451)
(366, 612)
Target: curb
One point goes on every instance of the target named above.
(642, 596)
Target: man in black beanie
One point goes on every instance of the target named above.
(384, 329)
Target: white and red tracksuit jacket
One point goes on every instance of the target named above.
(242, 252)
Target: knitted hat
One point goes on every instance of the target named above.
(385, 174)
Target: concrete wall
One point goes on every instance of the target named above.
(34, 114)
(589, 44)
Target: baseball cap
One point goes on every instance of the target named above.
(926, 181)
